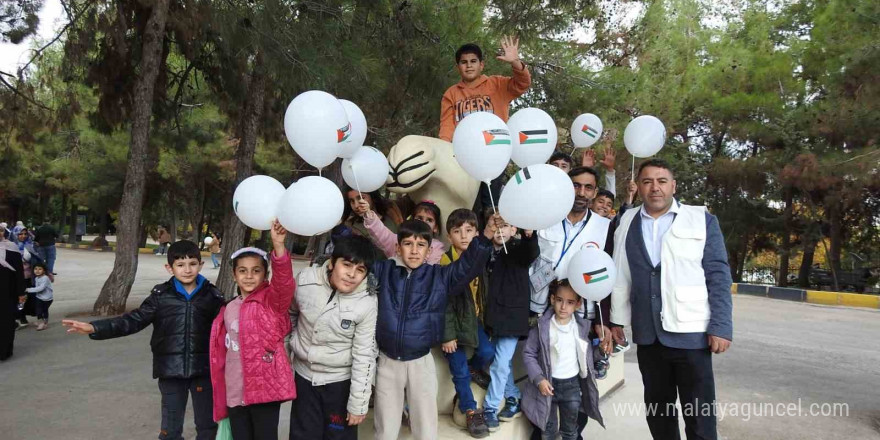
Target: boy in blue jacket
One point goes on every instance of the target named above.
(412, 306)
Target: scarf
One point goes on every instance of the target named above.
(6, 245)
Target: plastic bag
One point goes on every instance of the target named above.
(224, 430)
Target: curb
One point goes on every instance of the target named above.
(844, 299)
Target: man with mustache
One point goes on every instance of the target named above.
(559, 243)
(673, 289)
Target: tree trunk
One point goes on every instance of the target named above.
(234, 231)
(103, 225)
(44, 207)
(64, 199)
(116, 289)
(71, 237)
(172, 209)
(836, 235)
(810, 240)
(785, 246)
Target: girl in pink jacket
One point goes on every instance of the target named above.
(250, 371)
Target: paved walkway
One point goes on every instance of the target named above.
(60, 386)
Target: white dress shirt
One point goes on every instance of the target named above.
(653, 230)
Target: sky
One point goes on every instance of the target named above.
(12, 56)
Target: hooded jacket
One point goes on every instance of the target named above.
(334, 335)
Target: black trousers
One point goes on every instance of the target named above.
(255, 422)
(175, 393)
(319, 412)
(42, 308)
(669, 373)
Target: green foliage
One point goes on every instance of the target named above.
(768, 105)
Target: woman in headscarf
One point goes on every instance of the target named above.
(11, 293)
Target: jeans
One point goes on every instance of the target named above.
(42, 308)
(566, 402)
(459, 367)
(48, 254)
(174, 396)
(501, 373)
(162, 248)
(215, 261)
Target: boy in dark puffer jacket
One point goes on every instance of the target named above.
(181, 311)
(412, 304)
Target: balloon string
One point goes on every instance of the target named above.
(601, 321)
(356, 184)
(491, 199)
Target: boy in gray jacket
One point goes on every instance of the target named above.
(333, 344)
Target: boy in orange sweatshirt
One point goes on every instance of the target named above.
(480, 93)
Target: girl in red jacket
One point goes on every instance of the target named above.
(250, 370)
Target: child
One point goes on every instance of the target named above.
(43, 291)
(334, 343)
(558, 358)
(252, 375)
(214, 249)
(507, 317)
(181, 310)
(412, 302)
(425, 211)
(464, 326)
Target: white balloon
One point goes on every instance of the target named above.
(534, 136)
(367, 170)
(644, 136)
(482, 146)
(536, 197)
(316, 126)
(208, 241)
(255, 201)
(311, 206)
(591, 273)
(586, 130)
(358, 129)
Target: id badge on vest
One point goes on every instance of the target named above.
(543, 275)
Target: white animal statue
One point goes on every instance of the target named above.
(426, 169)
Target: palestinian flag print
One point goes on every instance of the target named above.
(496, 137)
(522, 176)
(343, 133)
(533, 137)
(589, 131)
(596, 276)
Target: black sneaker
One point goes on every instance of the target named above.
(600, 364)
(491, 419)
(511, 410)
(476, 424)
(480, 378)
